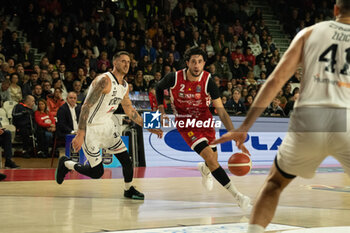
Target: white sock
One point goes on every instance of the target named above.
(232, 189)
(206, 170)
(255, 228)
(69, 164)
(128, 186)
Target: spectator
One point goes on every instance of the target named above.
(255, 46)
(4, 91)
(103, 60)
(235, 104)
(28, 87)
(153, 99)
(223, 69)
(55, 102)
(139, 82)
(157, 78)
(274, 109)
(45, 128)
(46, 89)
(67, 116)
(237, 54)
(14, 89)
(248, 102)
(37, 93)
(237, 72)
(6, 144)
(78, 91)
(249, 57)
(148, 50)
(23, 119)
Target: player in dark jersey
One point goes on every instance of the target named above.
(191, 92)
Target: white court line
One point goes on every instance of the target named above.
(217, 228)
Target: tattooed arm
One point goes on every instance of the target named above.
(99, 86)
(130, 111)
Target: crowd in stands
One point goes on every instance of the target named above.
(79, 39)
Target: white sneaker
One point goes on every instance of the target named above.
(207, 179)
(243, 202)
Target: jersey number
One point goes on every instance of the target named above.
(332, 61)
(182, 87)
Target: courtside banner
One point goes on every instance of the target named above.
(263, 141)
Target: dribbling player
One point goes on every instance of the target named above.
(192, 91)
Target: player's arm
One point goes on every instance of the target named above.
(165, 83)
(214, 92)
(130, 111)
(98, 87)
(284, 70)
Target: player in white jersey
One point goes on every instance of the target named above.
(319, 125)
(97, 130)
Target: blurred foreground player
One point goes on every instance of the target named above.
(319, 125)
(192, 91)
(97, 130)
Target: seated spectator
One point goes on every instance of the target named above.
(77, 89)
(4, 91)
(14, 89)
(28, 86)
(223, 69)
(67, 116)
(255, 46)
(6, 144)
(55, 102)
(103, 60)
(139, 82)
(37, 93)
(250, 79)
(45, 128)
(288, 109)
(248, 102)
(57, 83)
(235, 104)
(274, 109)
(46, 89)
(23, 119)
(249, 57)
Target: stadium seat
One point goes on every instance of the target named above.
(8, 106)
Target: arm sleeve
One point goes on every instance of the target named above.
(213, 90)
(165, 83)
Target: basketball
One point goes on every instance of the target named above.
(239, 164)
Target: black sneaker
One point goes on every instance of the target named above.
(133, 194)
(61, 170)
(11, 164)
(2, 176)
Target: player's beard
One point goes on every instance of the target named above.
(121, 70)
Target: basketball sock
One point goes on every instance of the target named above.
(69, 164)
(221, 176)
(232, 189)
(255, 228)
(127, 185)
(125, 161)
(206, 170)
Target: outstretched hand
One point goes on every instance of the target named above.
(236, 135)
(159, 132)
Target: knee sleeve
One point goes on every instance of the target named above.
(125, 161)
(93, 172)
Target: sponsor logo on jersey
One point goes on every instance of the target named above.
(181, 95)
(197, 96)
(198, 88)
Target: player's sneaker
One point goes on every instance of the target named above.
(207, 179)
(243, 202)
(133, 194)
(61, 170)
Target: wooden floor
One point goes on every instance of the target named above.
(85, 205)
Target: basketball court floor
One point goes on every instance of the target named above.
(175, 201)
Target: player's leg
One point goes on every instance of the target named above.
(94, 169)
(121, 153)
(267, 200)
(210, 157)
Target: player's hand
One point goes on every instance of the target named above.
(77, 142)
(237, 135)
(159, 132)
